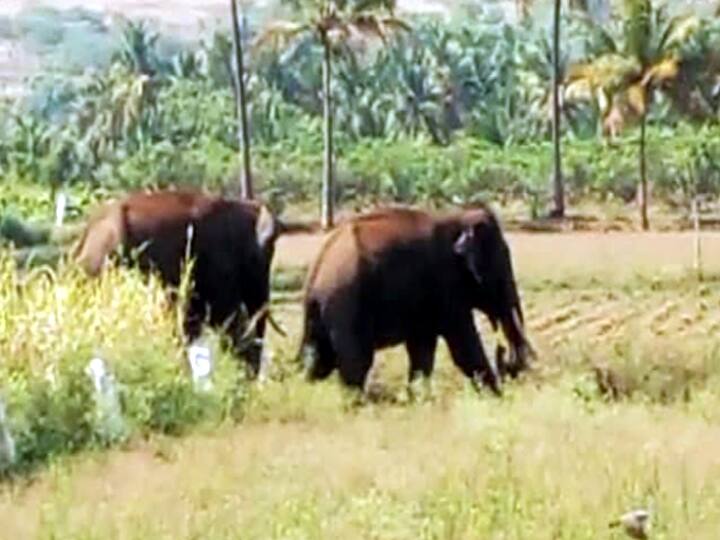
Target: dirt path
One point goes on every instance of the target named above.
(568, 254)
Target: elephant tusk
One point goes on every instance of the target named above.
(276, 326)
(517, 319)
(253, 322)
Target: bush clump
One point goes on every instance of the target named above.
(53, 322)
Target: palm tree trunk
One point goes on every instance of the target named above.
(246, 188)
(328, 180)
(558, 210)
(643, 188)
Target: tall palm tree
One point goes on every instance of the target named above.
(558, 184)
(246, 186)
(643, 58)
(332, 24)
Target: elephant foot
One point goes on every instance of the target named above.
(519, 361)
(500, 361)
(421, 389)
(353, 398)
(490, 379)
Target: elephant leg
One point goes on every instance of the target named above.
(468, 354)
(255, 352)
(318, 356)
(233, 321)
(355, 363)
(353, 344)
(324, 359)
(421, 352)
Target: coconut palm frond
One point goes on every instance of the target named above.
(679, 30)
(606, 71)
(279, 34)
(578, 90)
(369, 24)
(636, 96)
(363, 6)
(665, 70)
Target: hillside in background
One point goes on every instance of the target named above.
(74, 34)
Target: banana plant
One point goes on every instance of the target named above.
(418, 94)
(138, 48)
(28, 142)
(360, 93)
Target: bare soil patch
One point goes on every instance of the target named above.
(570, 254)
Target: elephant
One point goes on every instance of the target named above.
(231, 242)
(400, 275)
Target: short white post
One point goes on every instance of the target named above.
(7, 443)
(60, 207)
(201, 366)
(106, 399)
(697, 251)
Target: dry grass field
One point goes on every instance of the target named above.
(552, 256)
(552, 459)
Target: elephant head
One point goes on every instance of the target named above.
(486, 257)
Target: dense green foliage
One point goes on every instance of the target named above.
(446, 113)
(681, 162)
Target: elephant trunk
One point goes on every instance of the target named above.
(513, 327)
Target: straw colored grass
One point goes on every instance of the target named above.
(555, 458)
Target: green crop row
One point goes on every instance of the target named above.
(680, 163)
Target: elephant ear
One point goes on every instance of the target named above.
(466, 246)
(464, 243)
(266, 228)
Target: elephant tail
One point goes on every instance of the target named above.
(315, 354)
(311, 317)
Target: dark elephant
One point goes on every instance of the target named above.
(232, 244)
(403, 276)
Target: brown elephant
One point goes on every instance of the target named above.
(231, 241)
(403, 276)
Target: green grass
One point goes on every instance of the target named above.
(555, 458)
(539, 465)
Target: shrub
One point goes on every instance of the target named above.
(52, 324)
